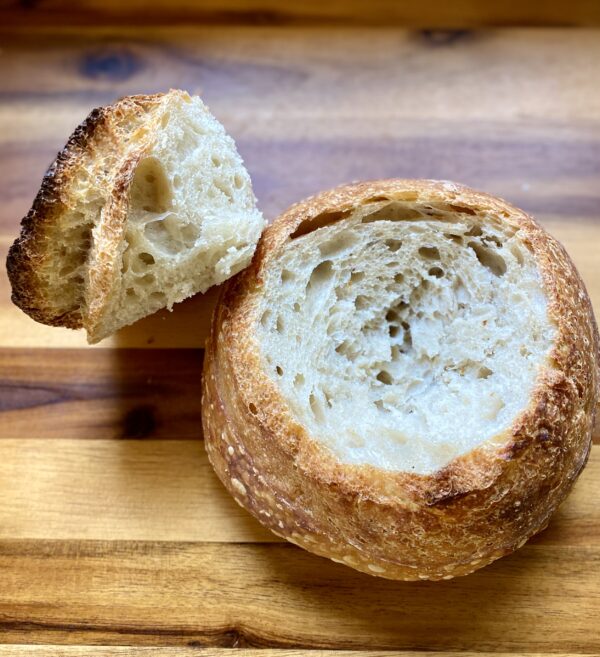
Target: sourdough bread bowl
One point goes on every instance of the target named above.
(404, 380)
(147, 204)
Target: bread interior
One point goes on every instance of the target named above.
(404, 334)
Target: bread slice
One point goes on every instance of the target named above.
(148, 203)
(404, 380)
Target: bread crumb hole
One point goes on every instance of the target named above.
(238, 181)
(357, 276)
(252, 408)
(457, 239)
(474, 231)
(384, 377)
(484, 372)
(279, 324)
(429, 252)
(299, 380)
(393, 245)
(489, 258)
(279, 370)
(146, 280)
(146, 258)
(437, 272)
(518, 256)
(216, 161)
(150, 188)
(462, 209)
(164, 121)
(130, 292)
(315, 407)
(321, 274)
(361, 302)
(286, 276)
(159, 297)
(266, 317)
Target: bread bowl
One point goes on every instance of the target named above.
(404, 380)
(148, 203)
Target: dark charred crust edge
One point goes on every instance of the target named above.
(28, 250)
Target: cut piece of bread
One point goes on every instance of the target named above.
(148, 203)
(404, 380)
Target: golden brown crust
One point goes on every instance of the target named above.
(32, 249)
(399, 525)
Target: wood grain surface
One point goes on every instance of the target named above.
(114, 531)
(420, 13)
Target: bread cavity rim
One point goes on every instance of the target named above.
(402, 335)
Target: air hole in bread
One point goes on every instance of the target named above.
(320, 221)
(517, 255)
(384, 377)
(216, 161)
(457, 239)
(320, 276)
(279, 370)
(266, 318)
(393, 245)
(489, 258)
(286, 276)
(252, 408)
(224, 188)
(429, 252)
(146, 280)
(316, 407)
(437, 272)
(164, 121)
(150, 189)
(146, 258)
(357, 276)
(189, 234)
(474, 231)
(159, 298)
(462, 209)
(238, 181)
(361, 302)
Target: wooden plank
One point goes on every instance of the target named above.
(148, 651)
(167, 491)
(538, 600)
(433, 13)
(100, 393)
(118, 490)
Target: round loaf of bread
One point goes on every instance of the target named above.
(404, 380)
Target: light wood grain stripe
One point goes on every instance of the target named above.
(538, 600)
(167, 491)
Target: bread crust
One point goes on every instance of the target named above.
(54, 198)
(399, 525)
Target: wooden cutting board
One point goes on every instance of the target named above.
(113, 529)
